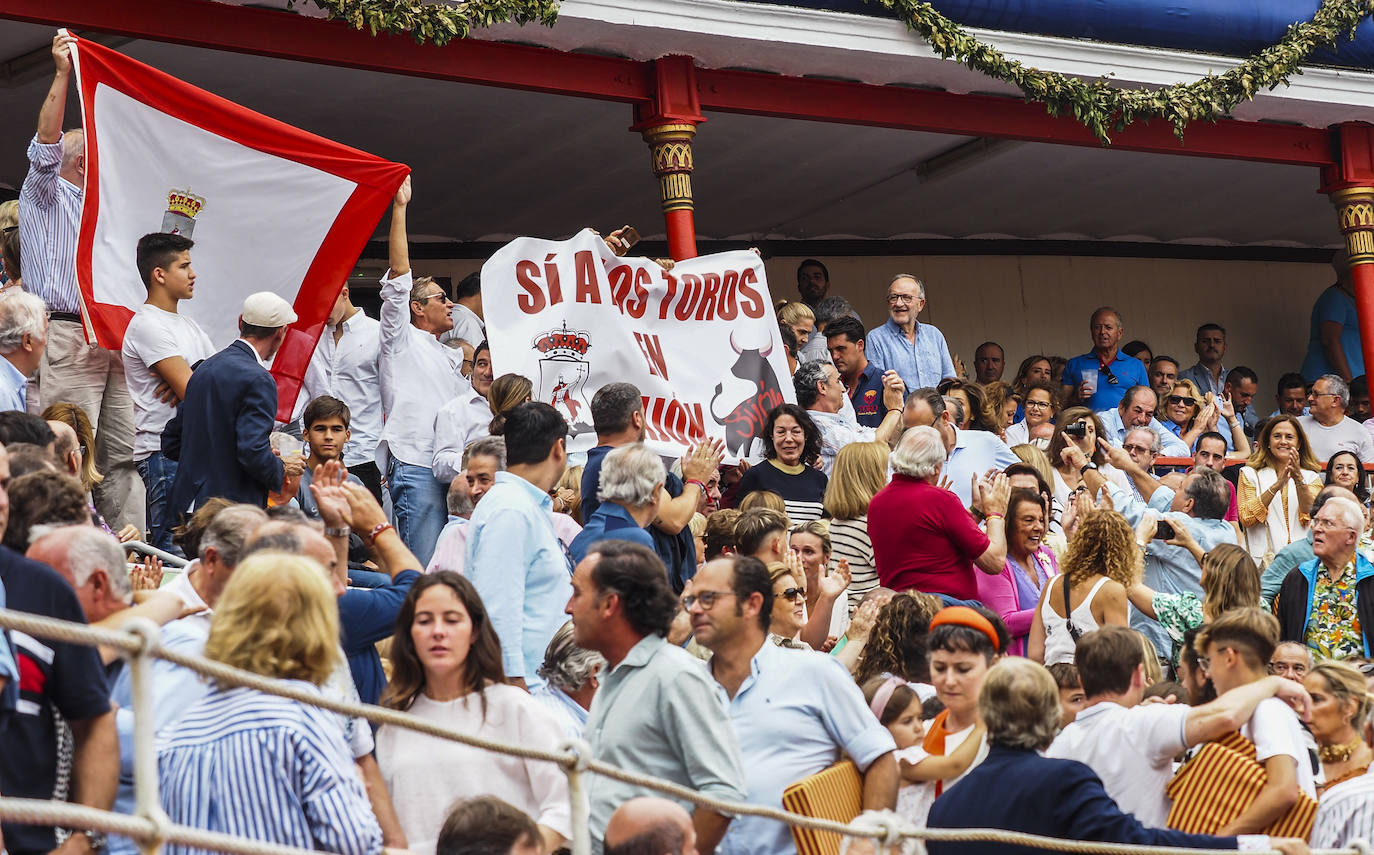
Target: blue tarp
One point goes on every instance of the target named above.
(1227, 27)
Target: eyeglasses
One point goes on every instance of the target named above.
(1140, 449)
(1037, 405)
(1205, 662)
(1297, 669)
(1182, 399)
(792, 594)
(1325, 525)
(706, 598)
(900, 299)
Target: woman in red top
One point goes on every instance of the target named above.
(923, 536)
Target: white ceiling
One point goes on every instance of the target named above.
(493, 163)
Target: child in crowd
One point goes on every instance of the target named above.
(1071, 696)
(899, 709)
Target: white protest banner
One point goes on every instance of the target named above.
(700, 341)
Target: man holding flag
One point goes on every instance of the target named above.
(87, 375)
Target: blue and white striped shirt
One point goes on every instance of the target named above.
(49, 219)
(267, 768)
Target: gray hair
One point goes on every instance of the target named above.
(1019, 702)
(487, 446)
(1155, 447)
(229, 530)
(1349, 512)
(629, 475)
(810, 374)
(566, 665)
(457, 500)
(920, 286)
(1211, 494)
(21, 314)
(830, 308)
(919, 454)
(89, 549)
(1338, 387)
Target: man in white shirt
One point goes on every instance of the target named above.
(1326, 425)
(161, 346)
(464, 420)
(1234, 650)
(345, 366)
(418, 375)
(466, 314)
(821, 391)
(1132, 746)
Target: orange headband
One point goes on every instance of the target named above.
(965, 616)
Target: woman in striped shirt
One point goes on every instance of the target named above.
(261, 766)
(860, 472)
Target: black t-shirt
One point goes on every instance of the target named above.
(55, 676)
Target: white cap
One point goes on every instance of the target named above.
(265, 309)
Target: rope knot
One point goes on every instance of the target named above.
(885, 826)
(581, 751)
(1362, 846)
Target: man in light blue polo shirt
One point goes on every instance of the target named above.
(1114, 371)
(1137, 410)
(795, 712)
(23, 335)
(916, 351)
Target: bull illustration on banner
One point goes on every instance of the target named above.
(743, 400)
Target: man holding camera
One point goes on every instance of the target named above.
(1185, 525)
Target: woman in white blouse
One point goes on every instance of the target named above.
(446, 668)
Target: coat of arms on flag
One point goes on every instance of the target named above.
(270, 207)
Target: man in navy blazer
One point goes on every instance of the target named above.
(220, 434)
(1016, 789)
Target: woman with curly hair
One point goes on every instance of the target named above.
(897, 642)
(1098, 568)
(791, 444)
(446, 669)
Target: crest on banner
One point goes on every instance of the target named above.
(182, 208)
(563, 371)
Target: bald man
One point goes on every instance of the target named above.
(650, 826)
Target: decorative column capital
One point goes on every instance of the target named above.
(670, 156)
(1355, 211)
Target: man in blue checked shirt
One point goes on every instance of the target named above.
(23, 335)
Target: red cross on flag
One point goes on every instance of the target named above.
(270, 207)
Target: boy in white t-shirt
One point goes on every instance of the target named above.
(1235, 650)
(160, 348)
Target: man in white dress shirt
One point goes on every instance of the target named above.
(466, 314)
(418, 374)
(464, 420)
(345, 366)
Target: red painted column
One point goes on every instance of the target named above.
(1350, 184)
(669, 126)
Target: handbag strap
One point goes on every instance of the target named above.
(1068, 614)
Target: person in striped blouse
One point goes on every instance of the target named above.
(261, 766)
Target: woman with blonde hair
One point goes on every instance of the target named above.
(1230, 580)
(446, 669)
(1276, 488)
(506, 393)
(825, 587)
(252, 764)
(860, 472)
(76, 418)
(798, 317)
(1091, 590)
(1340, 707)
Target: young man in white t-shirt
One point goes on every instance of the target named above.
(1131, 746)
(1235, 650)
(160, 348)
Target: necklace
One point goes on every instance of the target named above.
(1339, 753)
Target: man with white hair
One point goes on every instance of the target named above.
(923, 537)
(1142, 445)
(72, 370)
(92, 562)
(1328, 603)
(23, 337)
(916, 351)
(1326, 425)
(632, 479)
(969, 453)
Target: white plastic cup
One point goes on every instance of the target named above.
(1090, 380)
(288, 446)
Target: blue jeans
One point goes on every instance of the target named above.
(955, 601)
(421, 506)
(158, 472)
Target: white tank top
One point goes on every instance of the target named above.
(1059, 645)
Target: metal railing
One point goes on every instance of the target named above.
(150, 827)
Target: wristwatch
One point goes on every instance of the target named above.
(1086, 467)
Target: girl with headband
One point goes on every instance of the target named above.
(898, 708)
(964, 644)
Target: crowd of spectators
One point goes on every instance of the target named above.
(996, 600)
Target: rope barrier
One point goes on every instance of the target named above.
(573, 760)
